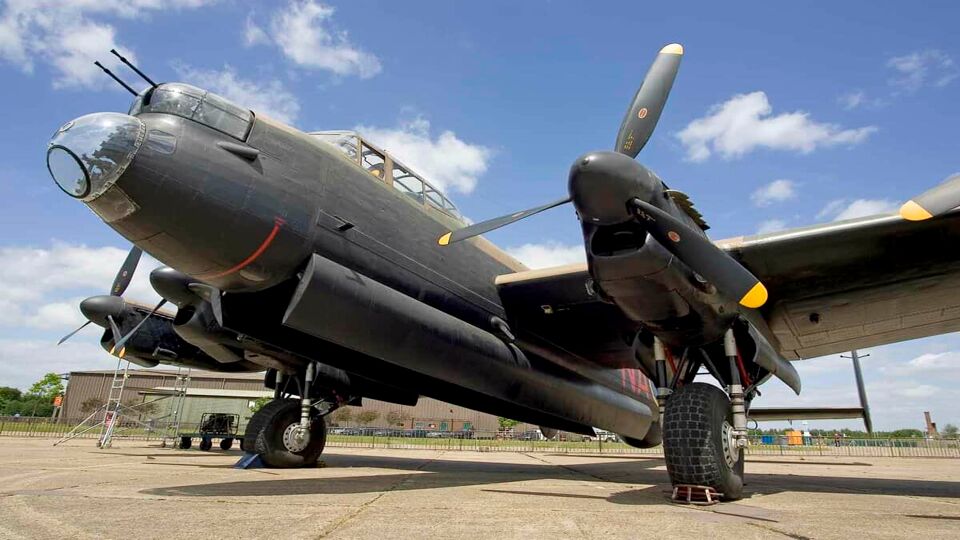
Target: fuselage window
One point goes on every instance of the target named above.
(434, 198)
(407, 183)
(347, 143)
(372, 161)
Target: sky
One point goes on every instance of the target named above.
(782, 115)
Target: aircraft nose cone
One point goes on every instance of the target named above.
(86, 156)
(602, 183)
(96, 308)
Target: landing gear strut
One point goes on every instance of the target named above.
(705, 432)
(287, 432)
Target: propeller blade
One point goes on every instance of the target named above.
(644, 112)
(123, 341)
(114, 332)
(71, 334)
(486, 226)
(122, 281)
(933, 202)
(699, 253)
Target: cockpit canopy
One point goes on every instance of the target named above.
(386, 168)
(195, 104)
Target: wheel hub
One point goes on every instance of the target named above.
(295, 438)
(728, 438)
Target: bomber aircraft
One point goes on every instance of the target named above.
(343, 274)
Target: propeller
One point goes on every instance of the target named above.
(486, 226)
(611, 187)
(635, 130)
(933, 202)
(120, 284)
(701, 255)
(644, 112)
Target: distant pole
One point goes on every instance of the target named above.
(862, 390)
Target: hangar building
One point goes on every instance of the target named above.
(209, 391)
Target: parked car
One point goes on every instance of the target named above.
(532, 435)
(601, 435)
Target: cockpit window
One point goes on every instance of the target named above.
(199, 105)
(383, 166)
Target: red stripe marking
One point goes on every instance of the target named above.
(277, 223)
(669, 355)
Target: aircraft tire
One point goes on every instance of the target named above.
(266, 432)
(693, 433)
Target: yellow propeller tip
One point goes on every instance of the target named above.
(673, 48)
(912, 211)
(123, 351)
(755, 297)
(111, 349)
(445, 239)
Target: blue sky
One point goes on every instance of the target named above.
(782, 115)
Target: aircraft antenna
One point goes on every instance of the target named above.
(114, 77)
(134, 68)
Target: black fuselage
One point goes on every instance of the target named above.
(246, 216)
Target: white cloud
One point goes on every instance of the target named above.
(446, 161)
(548, 255)
(902, 381)
(852, 100)
(930, 67)
(304, 32)
(776, 191)
(43, 286)
(270, 97)
(745, 122)
(66, 35)
(841, 209)
(24, 361)
(253, 34)
(771, 225)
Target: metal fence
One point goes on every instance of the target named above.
(523, 442)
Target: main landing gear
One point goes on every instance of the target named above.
(705, 432)
(286, 432)
(275, 433)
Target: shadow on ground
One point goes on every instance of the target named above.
(404, 474)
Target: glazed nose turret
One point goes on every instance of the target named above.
(86, 156)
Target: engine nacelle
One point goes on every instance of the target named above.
(156, 342)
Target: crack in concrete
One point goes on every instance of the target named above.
(363, 507)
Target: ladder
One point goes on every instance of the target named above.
(111, 411)
(108, 412)
(180, 385)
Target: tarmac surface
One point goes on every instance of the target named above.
(136, 490)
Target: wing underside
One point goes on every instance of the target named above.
(833, 288)
(856, 284)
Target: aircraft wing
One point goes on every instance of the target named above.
(858, 283)
(833, 288)
(558, 305)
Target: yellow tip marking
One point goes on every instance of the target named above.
(445, 239)
(123, 351)
(755, 297)
(111, 349)
(673, 48)
(914, 212)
